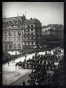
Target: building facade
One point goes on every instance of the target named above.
(20, 34)
(31, 34)
(12, 33)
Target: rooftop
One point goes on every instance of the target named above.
(31, 21)
(12, 19)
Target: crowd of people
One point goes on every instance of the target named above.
(44, 68)
(46, 61)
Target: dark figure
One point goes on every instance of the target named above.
(23, 83)
(8, 63)
(13, 60)
(25, 55)
(16, 65)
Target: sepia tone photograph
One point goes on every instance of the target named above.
(32, 43)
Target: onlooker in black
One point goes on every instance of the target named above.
(23, 83)
(8, 63)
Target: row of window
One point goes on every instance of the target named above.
(19, 46)
(29, 29)
(12, 22)
(12, 39)
(29, 34)
(12, 33)
(14, 26)
(7, 27)
(12, 47)
(28, 43)
(26, 38)
(29, 26)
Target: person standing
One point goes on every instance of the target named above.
(25, 55)
(23, 83)
(8, 63)
(8, 60)
(13, 60)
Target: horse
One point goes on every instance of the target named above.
(19, 64)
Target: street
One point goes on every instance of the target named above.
(10, 74)
(20, 80)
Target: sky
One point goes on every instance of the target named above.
(46, 12)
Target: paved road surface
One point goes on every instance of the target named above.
(19, 82)
(10, 74)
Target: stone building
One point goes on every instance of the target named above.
(31, 34)
(12, 33)
(20, 34)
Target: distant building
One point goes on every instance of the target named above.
(46, 30)
(52, 35)
(12, 33)
(31, 34)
